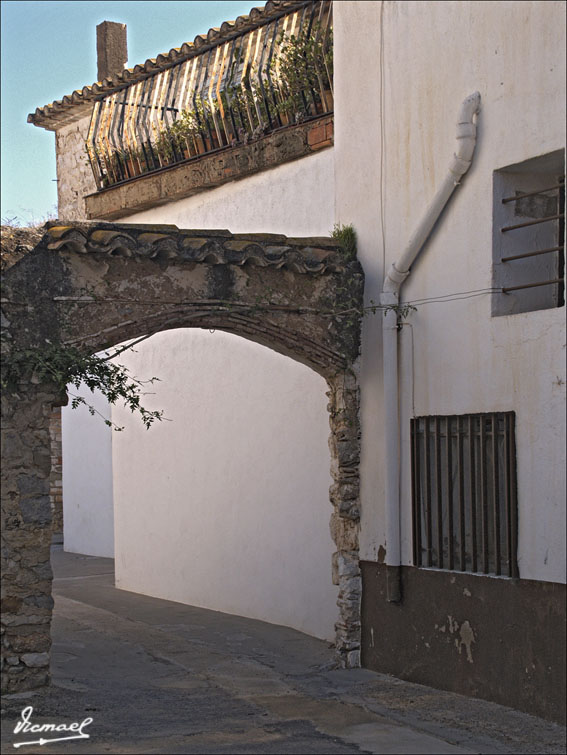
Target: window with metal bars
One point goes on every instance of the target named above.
(464, 493)
(529, 235)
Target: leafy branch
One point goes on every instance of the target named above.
(62, 365)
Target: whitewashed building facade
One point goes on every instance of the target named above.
(462, 525)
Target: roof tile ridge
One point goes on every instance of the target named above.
(48, 113)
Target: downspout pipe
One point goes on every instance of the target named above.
(390, 297)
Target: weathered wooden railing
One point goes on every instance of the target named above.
(275, 75)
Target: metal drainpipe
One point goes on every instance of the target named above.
(390, 296)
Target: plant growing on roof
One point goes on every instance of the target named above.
(296, 83)
(163, 146)
(185, 130)
(346, 236)
(303, 71)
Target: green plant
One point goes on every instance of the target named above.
(163, 146)
(346, 235)
(403, 311)
(62, 365)
(296, 84)
(185, 128)
(303, 71)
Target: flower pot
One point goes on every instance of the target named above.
(284, 117)
(133, 167)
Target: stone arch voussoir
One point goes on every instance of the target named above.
(94, 285)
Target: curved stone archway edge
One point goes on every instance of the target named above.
(95, 285)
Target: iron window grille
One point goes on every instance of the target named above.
(277, 74)
(464, 493)
(529, 235)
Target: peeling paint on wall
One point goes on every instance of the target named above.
(467, 638)
(466, 634)
(507, 630)
(453, 624)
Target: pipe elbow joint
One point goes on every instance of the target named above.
(466, 130)
(470, 107)
(459, 165)
(466, 136)
(392, 284)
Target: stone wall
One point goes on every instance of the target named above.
(56, 477)
(26, 538)
(344, 445)
(74, 173)
(301, 297)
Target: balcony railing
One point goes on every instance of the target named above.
(276, 75)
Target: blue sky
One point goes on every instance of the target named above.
(48, 50)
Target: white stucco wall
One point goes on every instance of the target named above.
(256, 568)
(396, 102)
(226, 506)
(294, 199)
(88, 513)
(231, 499)
(435, 54)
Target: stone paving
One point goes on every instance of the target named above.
(161, 677)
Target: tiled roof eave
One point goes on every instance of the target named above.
(77, 105)
(310, 255)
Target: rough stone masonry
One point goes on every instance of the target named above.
(95, 285)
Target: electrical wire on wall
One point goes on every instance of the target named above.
(370, 309)
(456, 296)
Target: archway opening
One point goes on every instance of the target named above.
(225, 503)
(85, 286)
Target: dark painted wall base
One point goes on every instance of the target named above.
(498, 639)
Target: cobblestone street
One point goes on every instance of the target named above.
(161, 677)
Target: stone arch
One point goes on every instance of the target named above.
(94, 285)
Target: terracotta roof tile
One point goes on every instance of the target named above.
(317, 255)
(78, 104)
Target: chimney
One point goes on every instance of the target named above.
(111, 49)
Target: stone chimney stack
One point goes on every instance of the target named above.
(111, 49)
